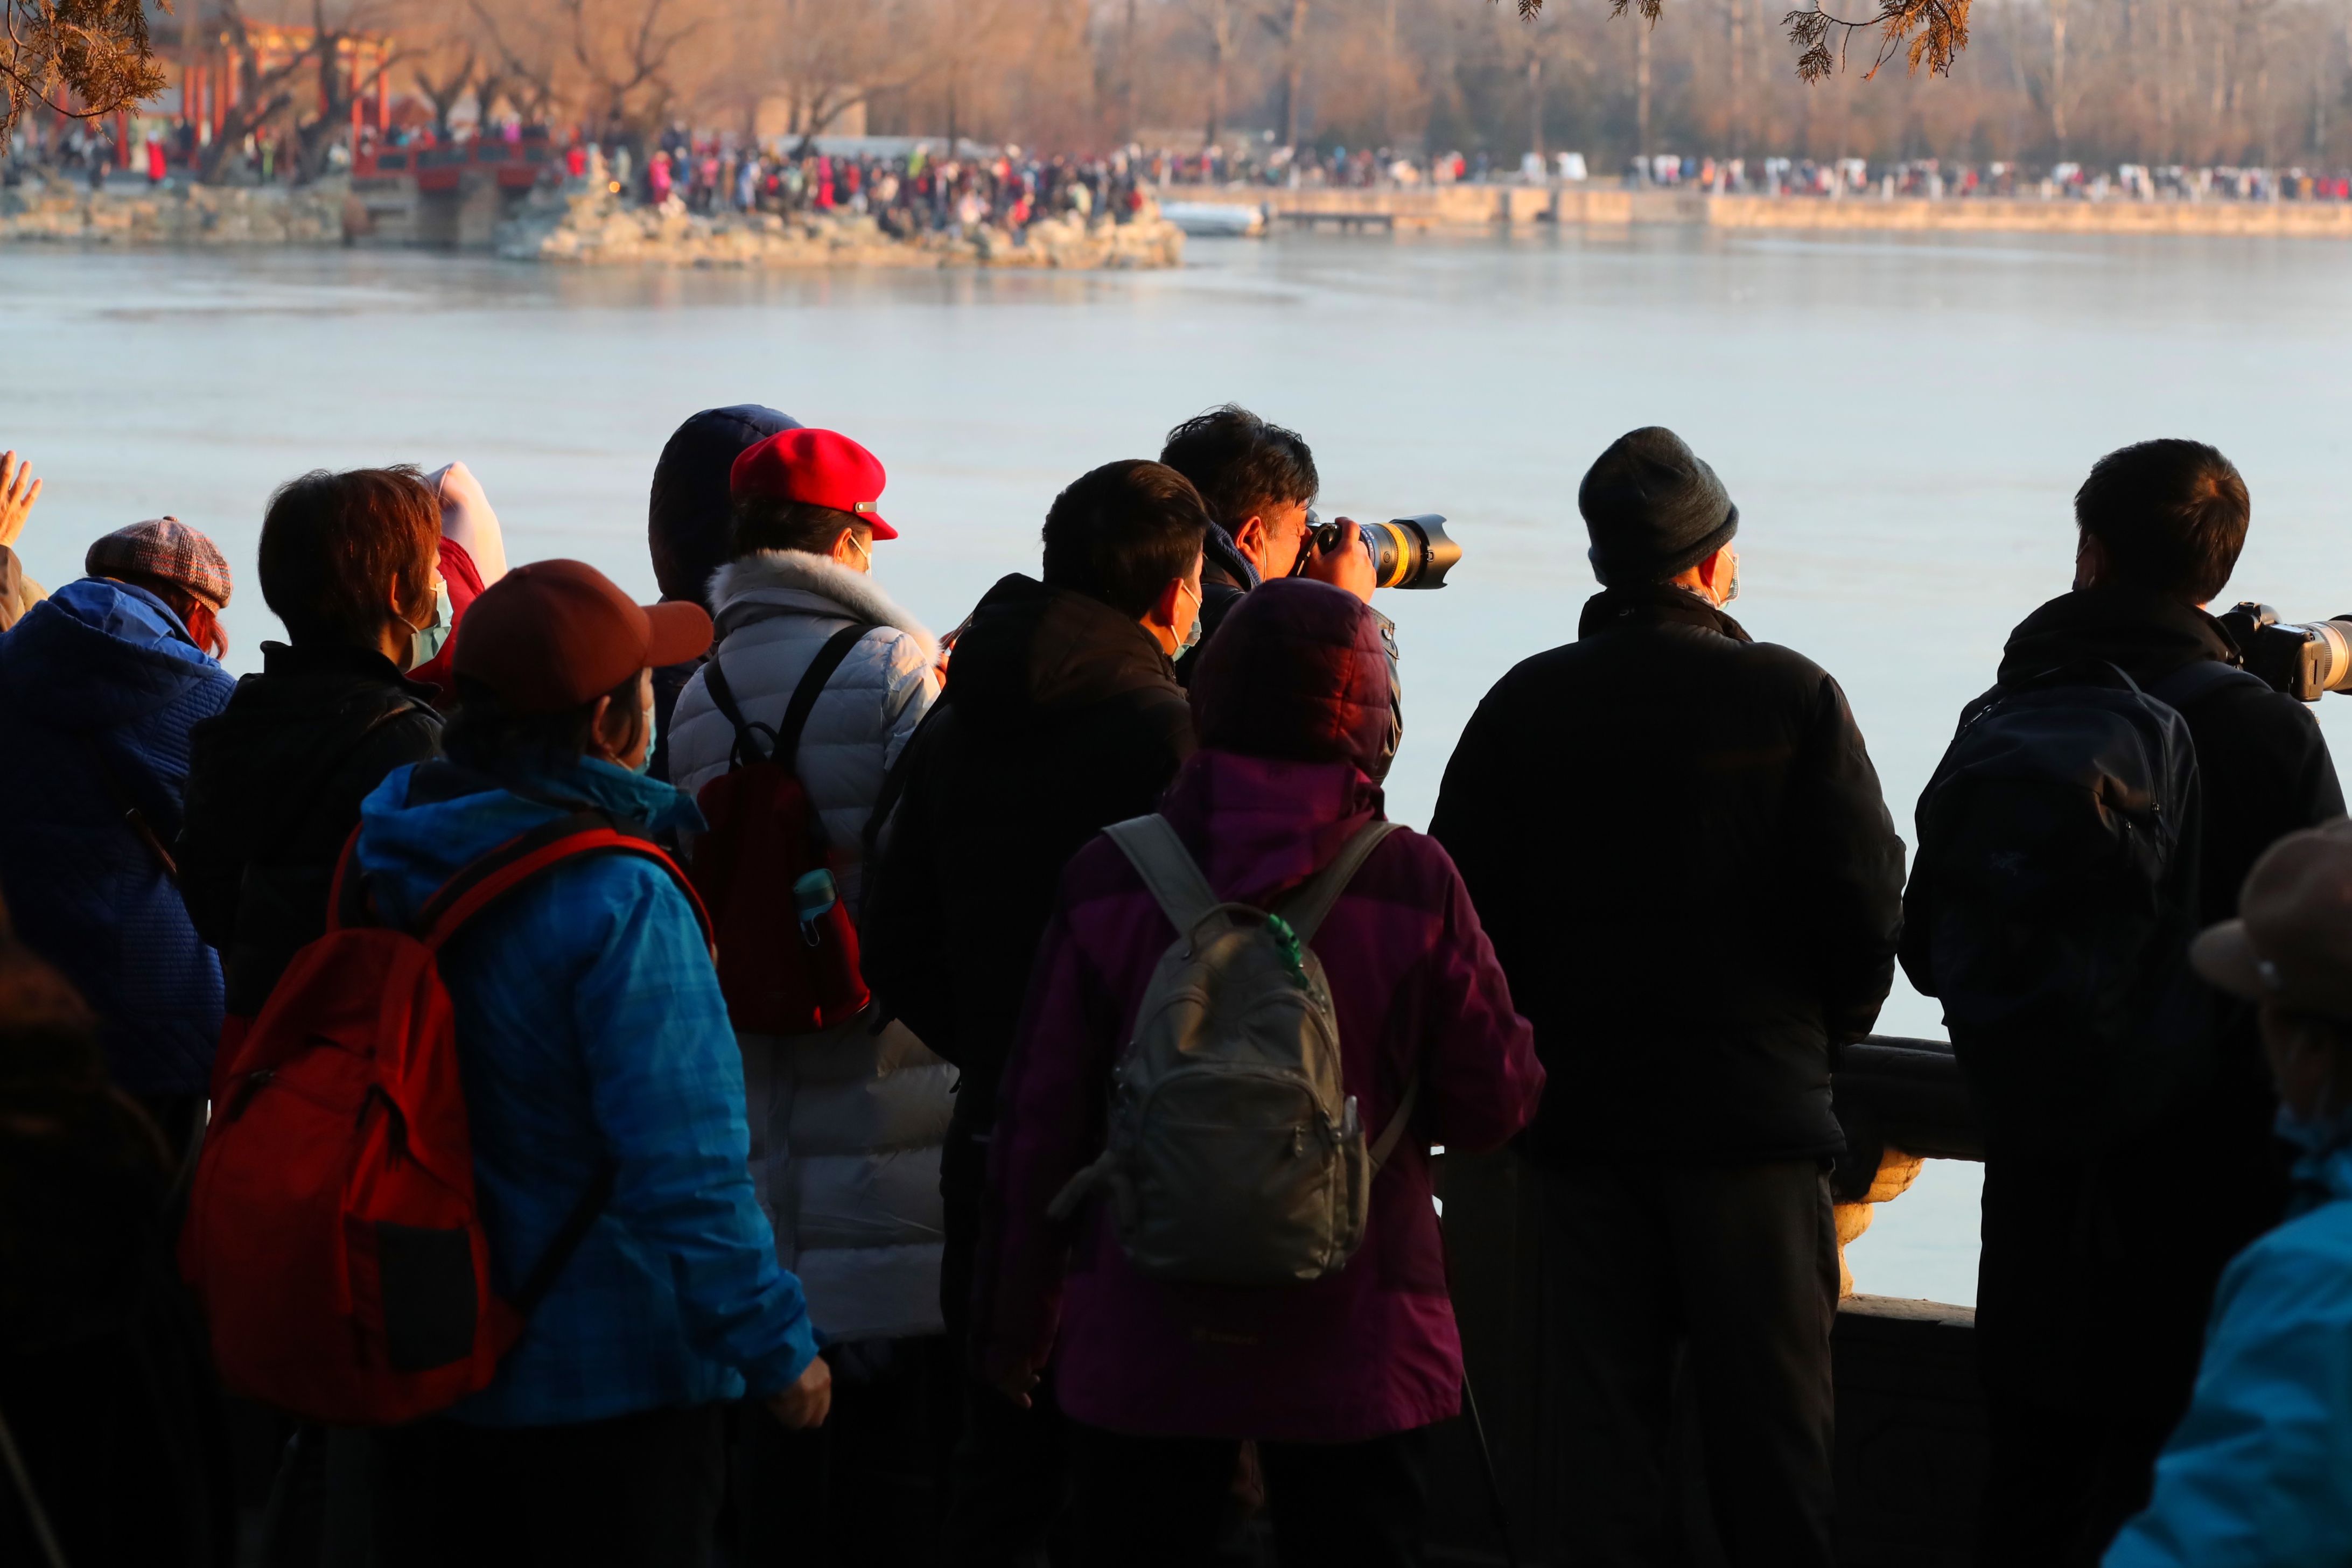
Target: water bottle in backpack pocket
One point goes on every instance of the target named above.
(787, 948)
(1234, 1155)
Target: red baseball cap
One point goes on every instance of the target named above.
(554, 634)
(821, 468)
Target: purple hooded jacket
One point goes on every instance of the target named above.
(1291, 702)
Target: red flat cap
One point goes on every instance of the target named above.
(821, 468)
(556, 635)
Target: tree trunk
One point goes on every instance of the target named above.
(1220, 27)
(1293, 72)
(2058, 74)
(1132, 86)
(1535, 102)
(1641, 86)
(1738, 79)
(1387, 76)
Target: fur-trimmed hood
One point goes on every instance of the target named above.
(791, 580)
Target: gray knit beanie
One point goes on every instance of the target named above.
(1653, 509)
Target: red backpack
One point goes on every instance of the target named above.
(332, 1234)
(787, 953)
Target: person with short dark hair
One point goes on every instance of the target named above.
(348, 563)
(597, 1055)
(101, 685)
(1060, 715)
(2079, 1397)
(1676, 840)
(1258, 480)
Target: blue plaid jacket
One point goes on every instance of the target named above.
(590, 1024)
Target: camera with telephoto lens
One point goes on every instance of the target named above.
(2302, 658)
(1406, 552)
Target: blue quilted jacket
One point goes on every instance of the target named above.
(591, 1028)
(99, 689)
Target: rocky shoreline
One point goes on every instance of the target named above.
(575, 227)
(63, 213)
(590, 227)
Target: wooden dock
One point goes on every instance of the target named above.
(1396, 209)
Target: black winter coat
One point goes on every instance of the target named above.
(2263, 771)
(1060, 717)
(274, 789)
(1677, 841)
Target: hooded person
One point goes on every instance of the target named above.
(691, 526)
(348, 563)
(1337, 1380)
(592, 1038)
(101, 686)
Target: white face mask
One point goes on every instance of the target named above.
(652, 736)
(425, 642)
(1191, 637)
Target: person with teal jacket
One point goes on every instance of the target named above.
(593, 1039)
(2259, 1472)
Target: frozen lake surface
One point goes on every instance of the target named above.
(1901, 421)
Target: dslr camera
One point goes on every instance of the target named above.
(1406, 552)
(2302, 658)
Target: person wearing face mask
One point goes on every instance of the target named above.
(847, 1121)
(1061, 716)
(1676, 840)
(2254, 1475)
(348, 564)
(101, 686)
(592, 1035)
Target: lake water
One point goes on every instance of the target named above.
(1902, 422)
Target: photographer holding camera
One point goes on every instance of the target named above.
(1257, 479)
(2105, 800)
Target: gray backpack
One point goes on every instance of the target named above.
(1235, 1155)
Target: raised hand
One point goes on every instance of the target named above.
(18, 490)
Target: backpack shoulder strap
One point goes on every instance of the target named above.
(347, 900)
(485, 880)
(1393, 1132)
(812, 686)
(1305, 909)
(748, 745)
(1152, 845)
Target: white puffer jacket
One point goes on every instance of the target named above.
(846, 1126)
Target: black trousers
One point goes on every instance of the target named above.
(1008, 1483)
(636, 1491)
(2092, 1291)
(1731, 1273)
(2031, 1283)
(1163, 1503)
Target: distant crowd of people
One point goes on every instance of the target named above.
(527, 1077)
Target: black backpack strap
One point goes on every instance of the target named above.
(575, 1230)
(748, 747)
(812, 686)
(894, 783)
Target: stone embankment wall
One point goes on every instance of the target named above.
(1481, 206)
(591, 228)
(63, 213)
